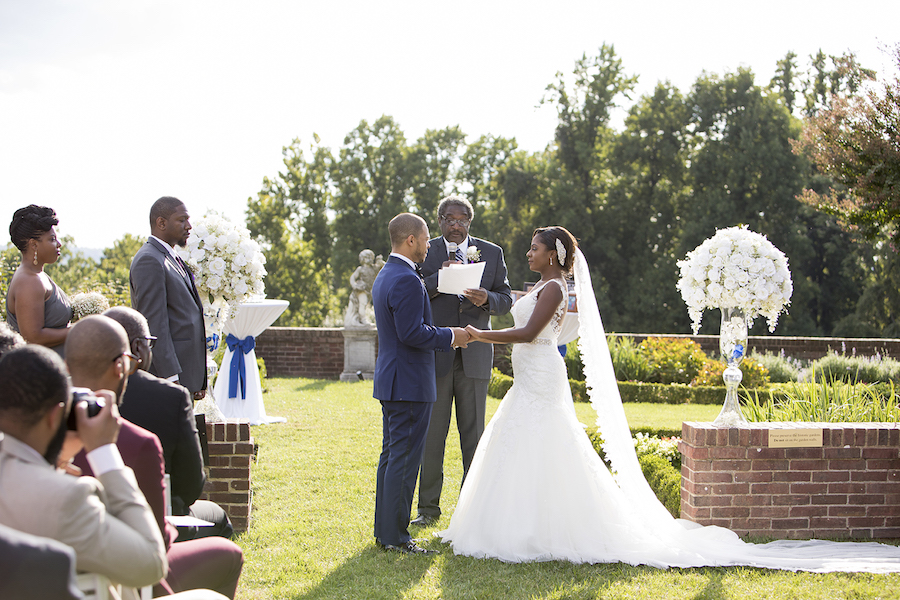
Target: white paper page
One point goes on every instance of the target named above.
(455, 279)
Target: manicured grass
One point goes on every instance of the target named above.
(311, 528)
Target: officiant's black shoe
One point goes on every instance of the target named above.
(409, 547)
(424, 520)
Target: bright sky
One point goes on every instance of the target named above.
(106, 105)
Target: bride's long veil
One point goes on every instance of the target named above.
(707, 545)
(604, 393)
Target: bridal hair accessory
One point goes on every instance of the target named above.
(560, 253)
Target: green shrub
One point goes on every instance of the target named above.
(664, 480)
(755, 375)
(781, 368)
(574, 365)
(659, 393)
(672, 360)
(503, 358)
(499, 384)
(263, 374)
(579, 391)
(629, 362)
(856, 369)
(662, 446)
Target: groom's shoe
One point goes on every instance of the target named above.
(423, 520)
(409, 547)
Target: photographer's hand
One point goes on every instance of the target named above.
(101, 429)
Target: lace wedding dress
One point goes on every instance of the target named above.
(537, 490)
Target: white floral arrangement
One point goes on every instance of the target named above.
(87, 303)
(736, 268)
(473, 254)
(228, 268)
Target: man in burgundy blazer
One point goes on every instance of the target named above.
(208, 563)
(166, 409)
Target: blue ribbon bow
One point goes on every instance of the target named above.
(238, 366)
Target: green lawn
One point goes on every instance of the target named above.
(311, 529)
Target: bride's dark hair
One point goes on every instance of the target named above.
(548, 236)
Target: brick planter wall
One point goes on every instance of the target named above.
(316, 352)
(231, 450)
(848, 488)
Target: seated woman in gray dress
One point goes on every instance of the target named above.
(35, 306)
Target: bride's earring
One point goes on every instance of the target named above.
(35, 258)
(551, 261)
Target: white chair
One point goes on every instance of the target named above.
(98, 587)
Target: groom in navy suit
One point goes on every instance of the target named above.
(404, 377)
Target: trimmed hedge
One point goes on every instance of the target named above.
(664, 480)
(655, 393)
(499, 384)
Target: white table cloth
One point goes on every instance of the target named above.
(252, 319)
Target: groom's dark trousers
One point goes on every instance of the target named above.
(404, 383)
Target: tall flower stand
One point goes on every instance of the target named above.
(733, 336)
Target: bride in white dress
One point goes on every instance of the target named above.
(538, 491)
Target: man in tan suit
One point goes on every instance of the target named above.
(105, 520)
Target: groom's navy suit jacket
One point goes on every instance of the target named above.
(407, 339)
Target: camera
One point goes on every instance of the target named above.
(94, 404)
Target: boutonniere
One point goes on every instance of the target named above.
(473, 254)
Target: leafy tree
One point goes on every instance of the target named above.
(289, 220)
(583, 111)
(640, 224)
(856, 142)
(431, 168)
(481, 162)
(116, 261)
(371, 186)
(783, 81)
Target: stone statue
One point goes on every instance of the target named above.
(361, 289)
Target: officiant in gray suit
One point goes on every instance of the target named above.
(462, 375)
(163, 290)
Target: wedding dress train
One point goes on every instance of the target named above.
(537, 490)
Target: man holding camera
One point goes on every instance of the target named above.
(212, 563)
(105, 520)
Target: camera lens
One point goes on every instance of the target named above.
(94, 404)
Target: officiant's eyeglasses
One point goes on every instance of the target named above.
(130, 364)
(151, 340)
(460, 222)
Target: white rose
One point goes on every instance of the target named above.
(214, 282)
(217, 266)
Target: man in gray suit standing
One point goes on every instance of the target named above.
(463, 375)
(163, 290)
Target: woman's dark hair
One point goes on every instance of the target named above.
(548, 236)
(30, 223)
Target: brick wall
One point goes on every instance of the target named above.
(848, 488)
(316, 352)
(231, 450)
